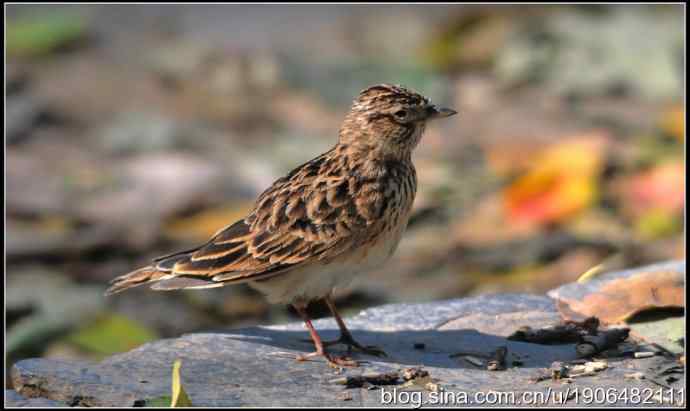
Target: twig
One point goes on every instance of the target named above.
(498, 362)
(474, 361)
(594, 344)
(358, 381)
(471, 353)
(568, 332)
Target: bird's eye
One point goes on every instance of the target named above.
(400, 114)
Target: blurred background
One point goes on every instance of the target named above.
(134, 131)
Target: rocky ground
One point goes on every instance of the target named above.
(445, 347)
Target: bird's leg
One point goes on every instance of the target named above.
(333, 361)
(345, 335)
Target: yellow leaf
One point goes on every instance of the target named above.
(591, 273)
(657, 223)
(179, 396)
(673, 122)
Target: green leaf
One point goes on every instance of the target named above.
(40, 35)
(159, 402)
(111, 334)
(657, 223)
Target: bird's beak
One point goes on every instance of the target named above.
(435, 112)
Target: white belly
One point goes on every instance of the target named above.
(316, 280)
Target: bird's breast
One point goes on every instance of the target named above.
(380, 248)
(387, 232)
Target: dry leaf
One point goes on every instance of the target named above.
(620, 299)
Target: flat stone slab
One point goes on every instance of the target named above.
(617, 295)
(13, 399)
(256, 367)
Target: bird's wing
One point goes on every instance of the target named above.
(315, 213)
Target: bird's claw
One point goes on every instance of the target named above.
(353, 345)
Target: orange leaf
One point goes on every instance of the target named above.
(562, 182)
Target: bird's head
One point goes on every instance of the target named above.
(389, 118)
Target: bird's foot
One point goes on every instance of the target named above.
(365, 349)
(352, 345)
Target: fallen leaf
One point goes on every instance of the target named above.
(159, 402)
(562, 182)
(179, 396)
(612, 262)
(618, 299)
(111, 334)
(591, 273)
(657, 223)
(39, 35)
(673, 122)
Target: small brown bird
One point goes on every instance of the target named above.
(314, 229)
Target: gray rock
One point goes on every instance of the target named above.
(553, 50)
(664, 326)
(22, 113)
(135, 132)
(13, 399)
(256, 367)
(30, 240)
(55, 305)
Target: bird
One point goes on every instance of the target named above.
(313, 230)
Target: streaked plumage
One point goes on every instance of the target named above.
(312, 230)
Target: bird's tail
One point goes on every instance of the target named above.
(134, 279)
